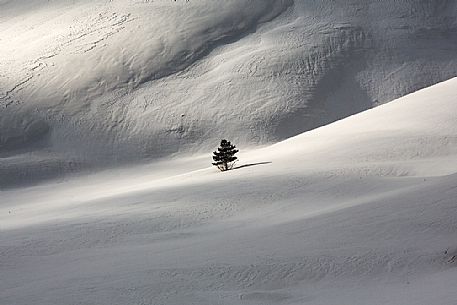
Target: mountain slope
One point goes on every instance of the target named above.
(88, 84)
(361, 211)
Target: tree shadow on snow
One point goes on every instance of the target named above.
(251, 164)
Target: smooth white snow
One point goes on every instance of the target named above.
(98, 84)
(361, 211)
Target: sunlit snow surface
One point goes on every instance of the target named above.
(362, 211)
(90, 84)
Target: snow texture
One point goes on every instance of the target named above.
(361, 211)
(92, 84)
(334, 201)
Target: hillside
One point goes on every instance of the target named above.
(98, 84)
(361, 211)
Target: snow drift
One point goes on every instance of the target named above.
(361, 211)
(97, 83)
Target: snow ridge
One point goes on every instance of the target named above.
(90, 84)
(361, 211)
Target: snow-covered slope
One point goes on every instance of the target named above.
(361, 211)
(96, 83)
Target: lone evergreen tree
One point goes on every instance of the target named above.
(224, 157)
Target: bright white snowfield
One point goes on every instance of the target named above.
(362, 211)
(88, 84)
(109, 112)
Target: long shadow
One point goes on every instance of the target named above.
(251, 164)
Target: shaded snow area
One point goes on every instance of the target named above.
(96, 84)
(361, 211)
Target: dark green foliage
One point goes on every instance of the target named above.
(224, 157)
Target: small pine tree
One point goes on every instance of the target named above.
(224, 157)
